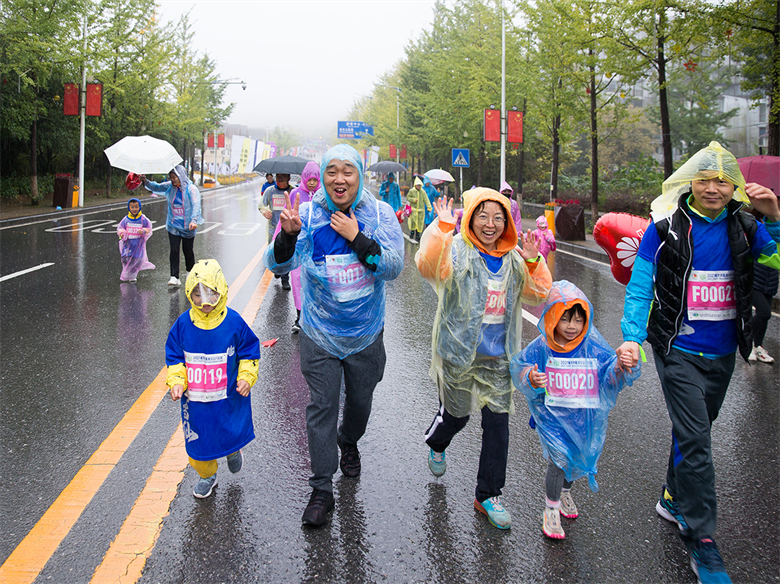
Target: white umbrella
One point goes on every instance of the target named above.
(440, 175)
(143, 155)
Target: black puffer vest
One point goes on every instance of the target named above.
(674, 262)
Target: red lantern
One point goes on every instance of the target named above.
(619, 234)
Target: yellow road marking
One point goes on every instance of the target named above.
(34, 551)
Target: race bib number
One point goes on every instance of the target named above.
(347, 277)
(134, 231)
(572, 383)
(178, 211)
(711, 295)
(278, 202)
(495, 306)
(206, 376)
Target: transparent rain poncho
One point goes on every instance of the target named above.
(712, 161)
(467, 379)
(583, 382)
(133, 231)
(344, 302)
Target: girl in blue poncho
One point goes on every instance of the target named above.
(570, 377)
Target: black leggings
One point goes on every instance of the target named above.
(186, 246)
(762, 303)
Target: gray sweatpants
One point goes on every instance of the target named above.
(694, 388)
(555, 481)
(323, 373)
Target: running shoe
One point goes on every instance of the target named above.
(350, 459)
(174, 281)
(495, 512)
(204, 487)
(668, 508)
(568, 508)
(437, 463)
(551, 523)
(760, 352)
(296, 327)
(320, 503)
(707, 563)
(235, 462)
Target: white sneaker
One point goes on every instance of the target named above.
(174, 281)
(753, 356)
(762, 355)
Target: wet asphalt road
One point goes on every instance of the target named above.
(79, 347)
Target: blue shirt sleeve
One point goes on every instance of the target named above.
(649, 244)
(639, 298)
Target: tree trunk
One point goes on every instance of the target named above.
(481, 163)
(34, 162)
(555, 158)
(773, 119)
(594, 147)
(203, 156)
(666, 131)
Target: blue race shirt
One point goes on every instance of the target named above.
(492, 340)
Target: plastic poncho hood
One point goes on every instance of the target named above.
(472, 200)
(710, 162)
(310, 171)
(505, 186)
(209, 273)
(348, 154)
(541, 223)
(563, 296)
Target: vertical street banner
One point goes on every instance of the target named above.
(258, 156)
(221, 141)
(70, 100)
(243, 157)
(393, 151)
(236, 145)
(514, 127)
(210, 141)
(403, 152)
(94, 99)
(492, 125)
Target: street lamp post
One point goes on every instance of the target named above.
(397, 114)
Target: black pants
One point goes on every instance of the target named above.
(694, 388)
(186, 244)
(491, 475)
(762, 303)
(555, 481)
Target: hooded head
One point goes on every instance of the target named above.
(130, 211)
(345, 181)
(418, 184)
(427, 181)
(181, 174)
(506, 189)
(472, 201)
(563, 296)
(310, 171)
(541, 223)
(390, 176)
(714, 161)
(209, 274)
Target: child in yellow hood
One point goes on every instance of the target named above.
(481, 279)
(213, 359)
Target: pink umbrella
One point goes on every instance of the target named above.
(764, 170)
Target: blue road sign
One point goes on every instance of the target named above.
(354, 130)
(460, 157)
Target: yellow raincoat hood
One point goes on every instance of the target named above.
(714, 160)
(473, 199)
(209, 273)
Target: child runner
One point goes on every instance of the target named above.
(419, 201)
(570, 377)
(545, 237)
(133, 231)
(690, 296)
(213, 358)
(481, 281)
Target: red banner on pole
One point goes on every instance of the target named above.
(392, 151)
(514, 127)
(221, 141)
(492, 125)
(71, 99)
(403, 152)
(94, 99)
(210, 141)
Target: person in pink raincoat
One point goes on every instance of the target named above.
(507, 191)
(133, 231)
(545, 237)
(303, 193)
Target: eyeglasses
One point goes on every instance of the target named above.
(484, 219)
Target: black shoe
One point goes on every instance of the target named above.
(350, 460)
(296, 327)
(320, 503)
(285, 283)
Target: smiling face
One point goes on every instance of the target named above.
(134, 207)
(711, 194)
(488, 223)
(174, 179)
(341, 180)
(570, 326)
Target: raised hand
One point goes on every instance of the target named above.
(290, 220)
(530, 245)
(346, 227)
(764, 200)
(536, 378)
(443, 208)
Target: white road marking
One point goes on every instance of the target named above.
(530, 317)
(27, 271)
(220, 207)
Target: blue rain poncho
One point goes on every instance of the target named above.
(344, 302)
(432, 194)
(583, 382)
(183, 203)
(391, 192)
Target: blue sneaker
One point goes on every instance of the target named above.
(204, 487)
(235, 462)
(437, 463)
(495, 512)
(707, 563)
(670, 510)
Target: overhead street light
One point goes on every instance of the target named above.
(397, 111)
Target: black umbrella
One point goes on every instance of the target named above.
(282, 164)
(387, 166)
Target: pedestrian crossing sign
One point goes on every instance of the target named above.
(460, 157)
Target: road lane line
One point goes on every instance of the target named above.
(530, 317)
(127, 555)
(27, 271)
(34, 551)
